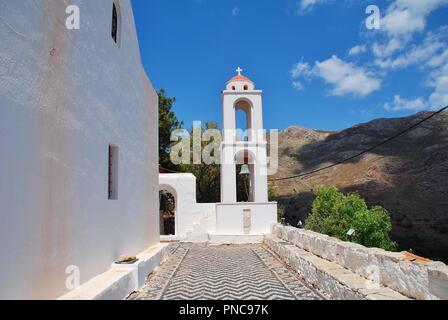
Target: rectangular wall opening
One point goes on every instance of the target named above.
(113, 172)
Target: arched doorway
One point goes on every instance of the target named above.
(167, 210)
(245, 173)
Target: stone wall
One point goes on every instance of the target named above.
(409, 275)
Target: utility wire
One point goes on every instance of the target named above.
(363, 152)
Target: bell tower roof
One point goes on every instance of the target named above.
(240, 82)
(240, 77)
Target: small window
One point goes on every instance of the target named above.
(246, 87)
(233, 88)
(114, 23)
(113, 172)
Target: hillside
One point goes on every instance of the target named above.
(408, 176)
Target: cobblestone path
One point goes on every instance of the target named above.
(200, 272)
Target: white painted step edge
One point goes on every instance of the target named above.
(120, 280)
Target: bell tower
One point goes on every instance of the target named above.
(247, 148)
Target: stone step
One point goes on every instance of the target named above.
(331, 279)
(222, 239)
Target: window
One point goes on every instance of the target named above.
(115, 23)
(113, 172)
(233, 88)
(246, 87)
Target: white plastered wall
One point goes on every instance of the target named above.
(230, 147)
(65, 95)
(194, 221)
(230, 218)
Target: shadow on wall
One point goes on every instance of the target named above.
(167, 213)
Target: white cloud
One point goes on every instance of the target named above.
(405, 17)
(357, 50)
(432, 53)
(438, 99)
(439, 59)
(236, 10)
(385, 50)
(301, 69)
(345, 78)
(439, 80)
(306, 6)
(402, 104)
(394, 49)
(402, 20)
(298, 85)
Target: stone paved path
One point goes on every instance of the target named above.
(200, 272)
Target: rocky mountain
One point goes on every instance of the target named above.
(408, 176)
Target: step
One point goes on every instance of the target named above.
(224, 239)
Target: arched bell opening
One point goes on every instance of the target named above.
(243, 120)
(245, 174)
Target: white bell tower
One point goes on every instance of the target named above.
(244, 148)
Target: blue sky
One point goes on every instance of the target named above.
(315, 60)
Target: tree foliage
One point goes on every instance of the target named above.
(208, 176)
(167, 213)
(334, 213)
(281, 209)
(167, 123)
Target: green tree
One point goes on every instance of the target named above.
(334, 213)
(167, 123)
(208, 176)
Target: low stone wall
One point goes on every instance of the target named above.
(330, 279)
(408, 275)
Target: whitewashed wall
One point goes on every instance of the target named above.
(64, 96)
(194, 221)
(230, 217)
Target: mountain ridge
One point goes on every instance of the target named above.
(408, 176)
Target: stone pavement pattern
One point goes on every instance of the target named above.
(201, 272)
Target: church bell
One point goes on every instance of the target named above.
(244, 169)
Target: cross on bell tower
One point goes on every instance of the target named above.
(240, 94)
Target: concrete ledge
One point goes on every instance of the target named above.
(328, 277)
(222, 239)
(120, 280)
(169, 238)
(412, 276)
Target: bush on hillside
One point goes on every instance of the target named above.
(334, 213)
(281, 210)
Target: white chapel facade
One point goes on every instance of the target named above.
(240, 94)
(230, 221)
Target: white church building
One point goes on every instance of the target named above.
(229, 221)
(78, 141)
(79, 181)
